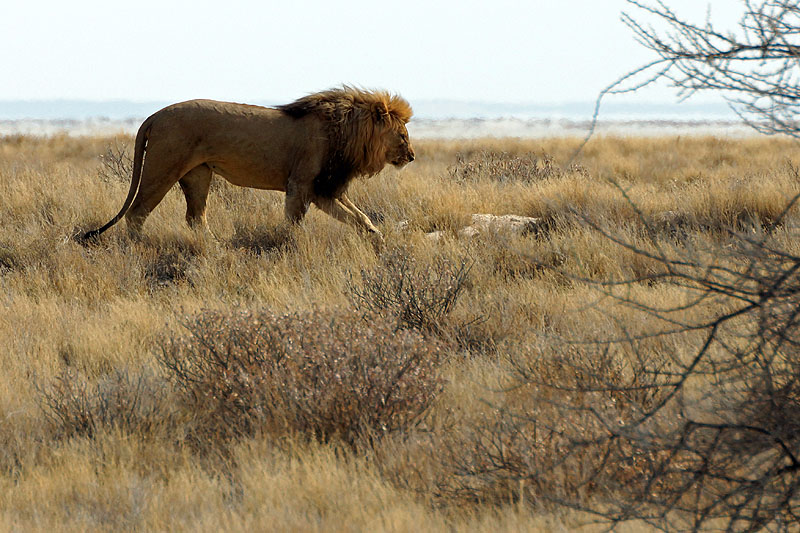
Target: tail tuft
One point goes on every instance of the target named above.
(88, 237)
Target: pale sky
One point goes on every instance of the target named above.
(162, 50)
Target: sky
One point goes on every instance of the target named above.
(508, 51)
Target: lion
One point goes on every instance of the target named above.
(311, 149)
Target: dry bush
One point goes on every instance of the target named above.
(753, 65)
(684, 425)
(133, 402)
(542, 437)
(503, 166)
(414, 295)
(321, 375)
(116, 163)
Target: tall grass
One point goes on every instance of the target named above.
(391, 397)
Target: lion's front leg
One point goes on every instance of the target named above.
(296, 204)
(378, 240)
(338, 210)
(358, 213)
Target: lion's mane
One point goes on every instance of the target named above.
(355, 121)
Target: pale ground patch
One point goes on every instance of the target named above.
(473, 128)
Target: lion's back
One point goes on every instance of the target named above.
(231, 131)
(211, 116)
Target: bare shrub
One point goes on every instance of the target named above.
(134, 402)
(753, 65)
(416, 296)
(540, 444)
(502, 166)
(321, 375)
(688, 422)
(116, 163)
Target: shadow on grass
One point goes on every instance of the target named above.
(169, 260)
(263, 240)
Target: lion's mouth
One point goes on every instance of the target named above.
(402, 161)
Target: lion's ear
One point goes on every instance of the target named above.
(380, 110)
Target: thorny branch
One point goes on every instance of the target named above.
(755, 66)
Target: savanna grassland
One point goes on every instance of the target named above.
(284, 379)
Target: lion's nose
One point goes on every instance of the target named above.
(410, 157)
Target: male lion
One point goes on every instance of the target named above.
(311, 149)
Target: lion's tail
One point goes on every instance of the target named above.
(138, 159)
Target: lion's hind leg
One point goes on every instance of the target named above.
(195, 185)
(159, 174)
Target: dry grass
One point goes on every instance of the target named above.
(95, 434)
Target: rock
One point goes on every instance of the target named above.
(435, 236)
(484, 223)
(514, 224)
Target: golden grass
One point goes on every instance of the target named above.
(94, 310)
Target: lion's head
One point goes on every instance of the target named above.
(366, 131)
